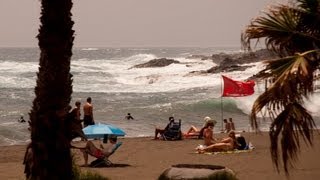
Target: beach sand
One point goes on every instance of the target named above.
(147, 159)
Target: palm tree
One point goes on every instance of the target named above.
(293, 32)
(49, 143)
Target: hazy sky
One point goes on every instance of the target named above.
(132, 23)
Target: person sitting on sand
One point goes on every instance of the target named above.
(193, 131)
(226, 144)
(100, 153)
(161, 131)
(208, 135)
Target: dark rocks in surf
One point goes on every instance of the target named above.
(202, 57)
(162, 62)
(234, 62)
(227, 68)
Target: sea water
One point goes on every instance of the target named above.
(151, 95)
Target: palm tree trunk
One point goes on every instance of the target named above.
(50, 145)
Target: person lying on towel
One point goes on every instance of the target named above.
(103, 152)
(226, 144)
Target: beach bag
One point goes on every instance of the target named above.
(242, 144)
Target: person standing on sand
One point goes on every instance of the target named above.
(76, 111)
(231, 124)
(88, 113)
(227, 127)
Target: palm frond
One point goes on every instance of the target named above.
(292, 31)
(309, 5)
(293, 121)
(292, 76)
(292, 80)
(284, 29)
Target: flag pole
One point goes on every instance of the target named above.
(221, 105)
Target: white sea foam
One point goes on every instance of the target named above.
(17, 74)
(313, 104)
(116, 75)
(89, 49)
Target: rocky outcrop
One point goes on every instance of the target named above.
(202, 57)
(234, 62)
(162, 62)
(226, 62)
(249, 57)
(227, 68)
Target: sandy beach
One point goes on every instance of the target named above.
(147, 159)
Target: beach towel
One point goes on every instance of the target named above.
(248, 148)
(236, 151)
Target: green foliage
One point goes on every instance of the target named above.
(88, 175)
(218, 176)
(293, 32)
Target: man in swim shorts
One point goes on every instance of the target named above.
(88, 113)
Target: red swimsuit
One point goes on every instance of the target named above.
(98, 154)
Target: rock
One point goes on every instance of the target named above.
(156, 63)
(202, 57)
(233, 62)
(197, 171)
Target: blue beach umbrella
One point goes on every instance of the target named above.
(100, 130)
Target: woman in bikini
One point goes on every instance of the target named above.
(226, 144)
(100, 153)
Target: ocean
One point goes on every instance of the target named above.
(151, 95)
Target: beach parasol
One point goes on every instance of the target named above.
(100, 130)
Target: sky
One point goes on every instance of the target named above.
(137, 23)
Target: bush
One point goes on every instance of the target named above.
(79, 175)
